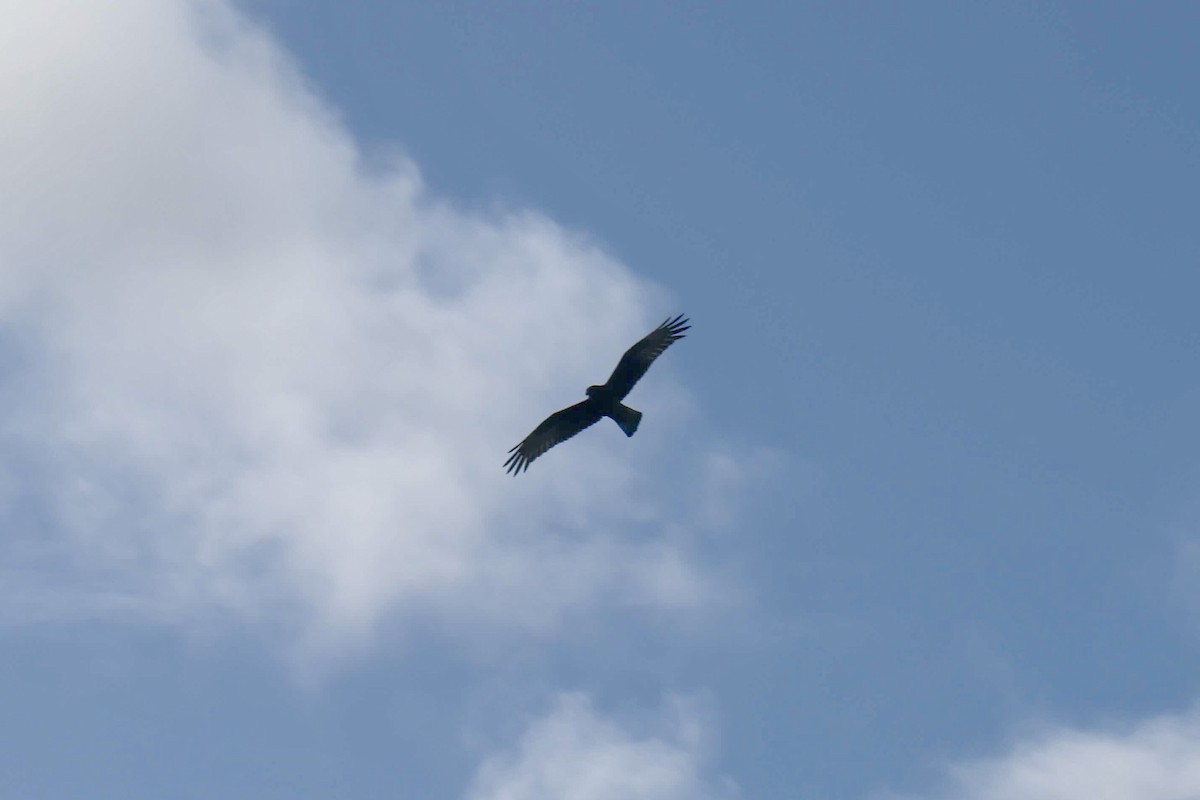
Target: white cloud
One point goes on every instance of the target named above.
(573, 753)
(245, 373)
(1158, 759)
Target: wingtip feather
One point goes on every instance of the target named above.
(672, 324)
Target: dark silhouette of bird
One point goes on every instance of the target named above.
(603, 401)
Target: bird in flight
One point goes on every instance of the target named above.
(603, 401)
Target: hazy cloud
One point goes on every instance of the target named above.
(574, 753)
(242, 372)
(1157, 759)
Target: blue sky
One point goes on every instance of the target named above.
(914, 511)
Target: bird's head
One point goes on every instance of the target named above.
(592, 390)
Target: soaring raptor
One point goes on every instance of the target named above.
(603, 401)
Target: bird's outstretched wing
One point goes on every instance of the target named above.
(637, 359)
(558, 427)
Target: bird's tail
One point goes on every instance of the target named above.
(627, 418)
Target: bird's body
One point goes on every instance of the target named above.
(603, 401)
